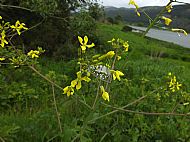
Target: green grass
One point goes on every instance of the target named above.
(155, 57)
(28, 113)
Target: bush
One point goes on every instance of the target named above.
(127, 29)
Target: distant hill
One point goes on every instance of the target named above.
(180, 15)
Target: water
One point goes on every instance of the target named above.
(173, 37)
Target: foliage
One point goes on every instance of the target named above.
(117, 93)
(126, 29)
(96, 11)
(83, 24)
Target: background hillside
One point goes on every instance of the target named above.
(179, 15)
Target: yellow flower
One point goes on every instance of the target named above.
(33, 54)
(167, 20)
(18, 27)
(173, 84)
(178, 85)
(84, 44)
(111, 41)
(118, 58)
(105, 94)
(168, 8)
(68, 90)
(110, 54)
(116, 74)
(1, 17)
(2, 59)
(2, 38)
(77, 82)
(126, 46)
(132, 2)
(169, 73)
(180, 30)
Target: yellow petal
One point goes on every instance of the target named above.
(78, 86)
(79, 75)
(83, 47)
(65, 90)
(105, 96)
(138, 13)
(167, 20)
(2, 59)
(91, 45)
(68, 94)
(80, 40)
(114, 77)
(87, 79)
(85, 40)
(102, 89)
(74, 83)
(180, 30)
(110, 54)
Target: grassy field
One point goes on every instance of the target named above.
(27, 106)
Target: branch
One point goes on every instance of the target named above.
(109, 113)
(147, 113)
(28, 28)
(55, 84)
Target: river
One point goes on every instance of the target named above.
(173, 37)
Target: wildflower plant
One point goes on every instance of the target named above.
(9, 53)
(92, 66)
(156, 21)
(98, 68)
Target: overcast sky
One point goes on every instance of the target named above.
(124, 3)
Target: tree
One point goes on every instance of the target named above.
(96, 11)
(118, 19)
(110, 20)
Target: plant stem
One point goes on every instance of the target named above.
(147, 113)
(114, 111)
(44, 77)
(112, 67)
(56, 109)
(56, 85)
(97, 94)
(155, 20)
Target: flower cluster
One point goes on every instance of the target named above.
(117, 43)
(69, 90)
(18, 27)
(97, 66)
(17, 57)
(172, 83)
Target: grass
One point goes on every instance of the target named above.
(28, 113)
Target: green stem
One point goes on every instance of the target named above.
(96, 95)
(155, 19)
(56, 109)
(147, 113)
(107, 114)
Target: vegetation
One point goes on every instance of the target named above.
(180, 19)
(144, 96)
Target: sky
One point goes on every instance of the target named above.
(141, 3)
